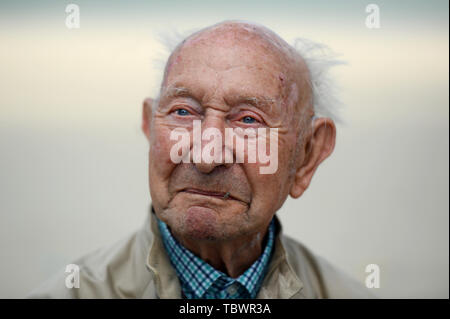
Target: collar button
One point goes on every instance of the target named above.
(232, 289)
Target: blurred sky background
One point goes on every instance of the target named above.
(73, 164)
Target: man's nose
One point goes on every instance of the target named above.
(212, 141)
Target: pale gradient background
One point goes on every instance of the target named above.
(73, 164)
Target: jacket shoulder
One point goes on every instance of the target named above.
(320, 278)
(115, 271)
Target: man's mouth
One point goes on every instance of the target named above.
(220, 195)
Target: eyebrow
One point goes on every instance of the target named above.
(177, 91)
(262, 102)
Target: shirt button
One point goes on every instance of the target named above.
(232, 289)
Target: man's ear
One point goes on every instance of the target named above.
(320, 146)
(147, 116)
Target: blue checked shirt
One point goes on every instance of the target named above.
(199, 280)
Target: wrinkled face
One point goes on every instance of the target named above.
(232, 80)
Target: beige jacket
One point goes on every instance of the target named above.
(138, 267)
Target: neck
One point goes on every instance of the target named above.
(231, 257)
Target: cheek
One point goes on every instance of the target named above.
(160, 163)
(267, 189)
(270, 190)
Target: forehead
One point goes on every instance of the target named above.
(236, 61)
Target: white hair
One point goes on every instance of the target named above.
(318, 57)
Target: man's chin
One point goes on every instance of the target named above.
(201, 223)
(198, 217)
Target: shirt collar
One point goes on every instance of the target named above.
(199, 278)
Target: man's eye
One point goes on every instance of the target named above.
(248, 120)
(182, 112)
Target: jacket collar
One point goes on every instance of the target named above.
(281, 281)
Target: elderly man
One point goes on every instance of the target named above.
(212, 231)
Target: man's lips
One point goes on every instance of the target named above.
(220, 195)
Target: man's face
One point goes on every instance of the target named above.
(224, 82)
